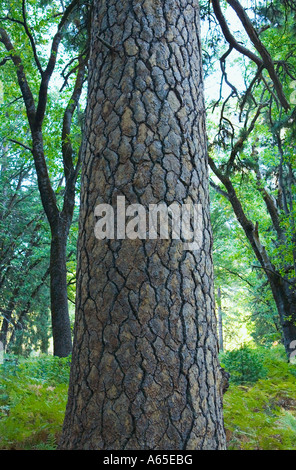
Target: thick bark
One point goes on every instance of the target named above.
(145, 372)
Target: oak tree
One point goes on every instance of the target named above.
(34, 72)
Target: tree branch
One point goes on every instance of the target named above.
(22, 79)
(271, 207)
(51, 64)
(218, 189)
(30, 37)
(223, 70)
(67, 149)
(240, 142)
(46, 192)
(249, 90)
(238, 275)
(230, 38)
(266, 58)
(21, 144)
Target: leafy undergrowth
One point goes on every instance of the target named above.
(259, 407)
(33, 395)
(262, 415)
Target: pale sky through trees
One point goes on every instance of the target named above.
(233, 70)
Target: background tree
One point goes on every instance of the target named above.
(248, 308)
(240, 161)
(24, 254)
(29, 23)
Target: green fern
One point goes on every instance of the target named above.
(263, 415)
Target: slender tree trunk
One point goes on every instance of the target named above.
(61, 330)
(59, 222)
(7, 320)
(4, 327)
(220, 321)
(145, 371)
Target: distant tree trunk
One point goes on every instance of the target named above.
(220, 320)
(59, 222)
(23, 316)
(145, 371)
(285, 300)
(61, 329)
(9, 317)
(5, 325)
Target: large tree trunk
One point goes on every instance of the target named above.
(145, 372)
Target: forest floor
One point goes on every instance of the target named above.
(262, 415)
(259, 415)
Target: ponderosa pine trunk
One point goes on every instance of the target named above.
(145, 371)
